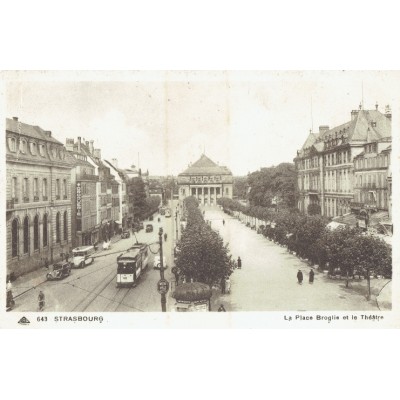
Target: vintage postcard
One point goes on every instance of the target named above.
(238, 199)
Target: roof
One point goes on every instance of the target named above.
(205, 165)
(29, 130)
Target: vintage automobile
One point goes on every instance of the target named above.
(58, 271)
(125, 235)
(149, 228)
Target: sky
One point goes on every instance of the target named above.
(162, 121)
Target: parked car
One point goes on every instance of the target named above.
(58, 271)
(125, 235)
(151, 218)
(157, 263)
(149, 228)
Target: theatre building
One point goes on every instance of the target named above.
(205, 180)
(38, 194)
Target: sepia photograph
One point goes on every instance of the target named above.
(198, 191)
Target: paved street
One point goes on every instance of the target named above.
(267, 280)
(94, 287)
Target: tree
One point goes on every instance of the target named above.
(138, 197)
(240, 187)
(314, 209)
(202, 255)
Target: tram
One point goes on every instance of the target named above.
(131, 264)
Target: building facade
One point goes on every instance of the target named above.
(38, 194)
(206, 181)
(84, 195)
(325, 163)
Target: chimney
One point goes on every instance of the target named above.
(69, 144)
(79, 144)
(323, 129)
(114, 162)
(15, 118)
(87, 143)
(376, 106)
(388, 112)
(97, 153)
(48, 133)
(91, 147)
(354, 114)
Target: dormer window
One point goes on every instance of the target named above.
(41, 149)
(33, 148)
(12, 144)
(22, 146)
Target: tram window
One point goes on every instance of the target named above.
(126, 269)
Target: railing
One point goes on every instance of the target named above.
(45, 198)
(35, 198)
(65, 197)
(26, 199)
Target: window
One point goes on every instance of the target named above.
(14, 238)
(14, 188)
(33, 148)
(57, 189)
(212, 190)
(22, 146)
(12, 143)
(226, 190)
(26, 235)
(44, 189)
(66, 225)
(41, 149)
(218, 190)
(45, 232)
(205, 191)
(36, 233)
(199, 191)
(25, 190)
(65, 190)
(58, 227)
(35, 189)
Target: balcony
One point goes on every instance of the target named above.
(26, 199)
(45, 198)
(10, 204)
(65, 197)
(35, 198)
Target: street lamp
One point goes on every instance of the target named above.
(176, 223)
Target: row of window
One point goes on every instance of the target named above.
(373, 162)
(26, 191)
(199, 191)
(34, 148)
(377, 180)
(15, 233)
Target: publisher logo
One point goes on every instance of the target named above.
(24, 321)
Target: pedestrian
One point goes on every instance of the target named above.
(223, 222)
(239, 263)
(223, 285)
(300, 277)
(311, 276)
(41, 301)
(228, 285)
(165, 237)
(46, 262)
(67, 257)
(221, 308)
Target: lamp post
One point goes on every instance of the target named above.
(176, 224)
(162, 285)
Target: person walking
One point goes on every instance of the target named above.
(300, 277)
(223, 285)
(223, 222)
(165, 237)
(221, 308)
(41, 301)
(311, 276)
(239, 263)
(228, 285)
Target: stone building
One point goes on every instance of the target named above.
(38, 194)
(325, 163)
(205, 180)
(84, 180)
